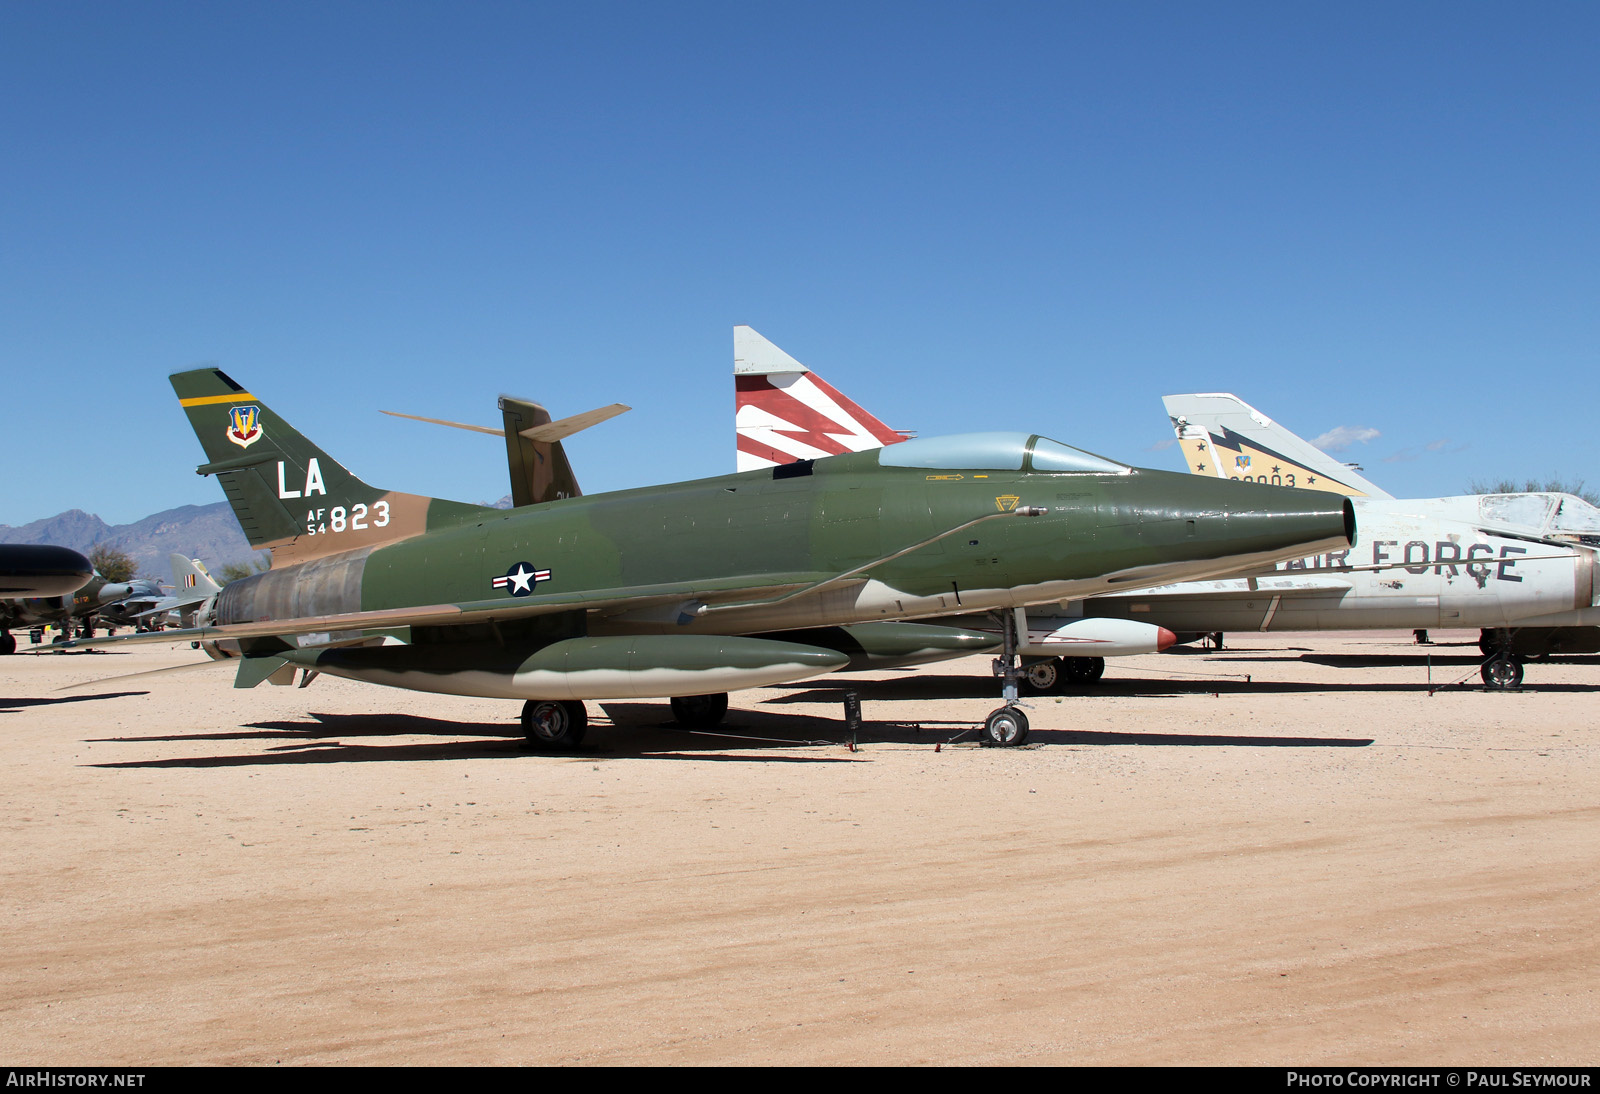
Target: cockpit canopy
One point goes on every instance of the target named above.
(1553, 516)
(997, 452)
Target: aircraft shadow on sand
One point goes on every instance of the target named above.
(641, 730)
(1186, 740)
(931, 731)
(913, 689)
(1417, 660)
(12, 706)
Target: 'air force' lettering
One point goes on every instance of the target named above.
(1446, 558)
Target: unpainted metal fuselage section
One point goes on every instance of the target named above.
(669, 590)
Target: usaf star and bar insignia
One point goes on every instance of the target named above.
(520, 579)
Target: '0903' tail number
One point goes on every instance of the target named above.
(319, 522)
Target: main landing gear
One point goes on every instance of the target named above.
(1007, 727)
(554, 725)
(700, 711)
(1503, 670)
(1055, 674)
(558, 725)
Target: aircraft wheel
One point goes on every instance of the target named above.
(700, 711)
(552, 725)
(1502, 673)
(1083, 670)
(8, 643)
(1004, 728)
(1044, 677)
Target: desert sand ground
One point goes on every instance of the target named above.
(1320, 864)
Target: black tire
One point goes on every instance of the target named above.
(8, 643)
(1044, 677)
(1083, 670)
(700, 711)
(554, 726)
(1502, 673)
(1004, 728)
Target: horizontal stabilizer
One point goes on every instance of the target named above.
(566, 427)
(549, 431)
(538, 465)
(253, 670)
(443, 421)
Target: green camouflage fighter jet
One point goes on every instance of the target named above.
(692, 589)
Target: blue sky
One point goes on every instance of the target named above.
(1375, 217)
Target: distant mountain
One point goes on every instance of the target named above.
(206, 532)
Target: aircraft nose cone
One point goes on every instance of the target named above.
(1280, 515)
(41, 569)
(1215, 518)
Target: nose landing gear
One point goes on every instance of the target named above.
(1007, 727)
(1503, 670)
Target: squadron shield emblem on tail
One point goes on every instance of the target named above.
(244, 425)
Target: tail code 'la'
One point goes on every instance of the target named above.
(287, 494)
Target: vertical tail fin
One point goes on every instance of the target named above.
(784, 412)
(536, 461)
(1223, 436)
(540, 470)
(289, 495)
(190, 578)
